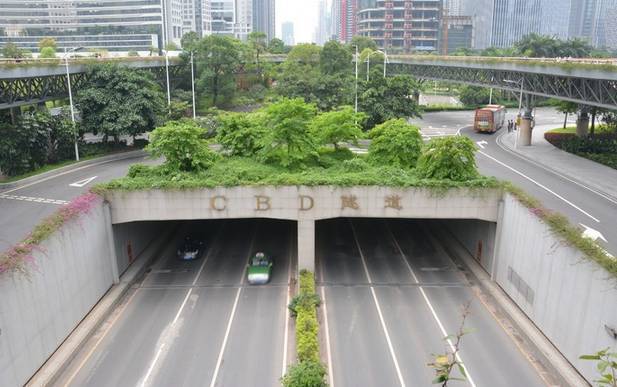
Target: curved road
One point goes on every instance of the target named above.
(581, 204)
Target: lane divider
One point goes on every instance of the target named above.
(219, 360)
(543, 187)
(442, 329)
(381, 318)
(324, 304)
(288, 300)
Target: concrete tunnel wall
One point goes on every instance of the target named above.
(568, 297)
(73, 269)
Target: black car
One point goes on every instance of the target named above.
(190, 249)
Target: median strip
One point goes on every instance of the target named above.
(309, 370)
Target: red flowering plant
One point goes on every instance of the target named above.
(19, 258)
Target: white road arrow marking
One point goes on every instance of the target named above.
(81, 183)
(592, 234)
(482, 144)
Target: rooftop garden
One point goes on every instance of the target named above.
(288, 143)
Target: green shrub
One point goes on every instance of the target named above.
(307, 282)
(303, 300)
(181, 143)
(305, 374)
(240, 133)
(451, 158)
(307, 327)
(47, 52)
(395, 143)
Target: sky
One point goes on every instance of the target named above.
(303, 13)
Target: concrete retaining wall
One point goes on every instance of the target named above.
(131, 239)
(478, 238)
(568, 297)
(73, 271)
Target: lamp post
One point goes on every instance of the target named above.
(357, 59)
(520, 105)
(167, 75)
(368, 63)
(193, 84)
(490, 98)
(68, 82)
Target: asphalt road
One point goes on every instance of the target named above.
(30, 203)
(580, 204)
(198, 323)
(392, 294)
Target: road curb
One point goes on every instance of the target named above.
(69, 168)
(57, 363)
(549, 168)
(549, 356)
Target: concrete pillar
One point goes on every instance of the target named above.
(582, 124)
(306, 245)
(526, 128)
(111, 244)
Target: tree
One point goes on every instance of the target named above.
(383, 99)
(304, 54)
(335, 59)
(288, 141)
(182, 145)
(395, 143)
(119, 100)
(48, 42)
(448, 158)
(566, 108)
(342, 125)
(300, 73)
(217, 58)
(329, 92)
(257, 42)
(474, 95)
(11, 50)
(240, 134)
(276, 46)
(363, 43)
(47, 52)
(189, 41)
(171, 46)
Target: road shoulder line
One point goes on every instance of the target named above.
(552, 358)
(58, 362)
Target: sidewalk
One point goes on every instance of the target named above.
(586, 172)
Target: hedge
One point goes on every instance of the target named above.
(309, 371)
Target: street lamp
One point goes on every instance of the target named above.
(193, 84)
(520, 105)
(167, 74)
(368, 63)
(357, 59)
(68, 82)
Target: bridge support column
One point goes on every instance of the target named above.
(582, 123)
(306, 245)
(526, 128)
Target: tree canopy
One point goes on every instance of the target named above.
(288, 141)
(342, 125)
(118, 100)
(240, 134)
(383, 99)
(395, 143)
(452, 158)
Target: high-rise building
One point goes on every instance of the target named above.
(244, 19)
(513, 19)
(287, 29)
(112, 25)
(403, 25)
(322, 31)
(223, 15)
(457, 32)
(481, 13)
(555, 18)
(264, 17)
(335, 20)
(453, 7)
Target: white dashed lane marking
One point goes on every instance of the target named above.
(31, 199)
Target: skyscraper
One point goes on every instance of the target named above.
(264, 17)
(288, 33)
(115, 26)
(243, 25)
(513, 19)
(322, 31)
(402, 25)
